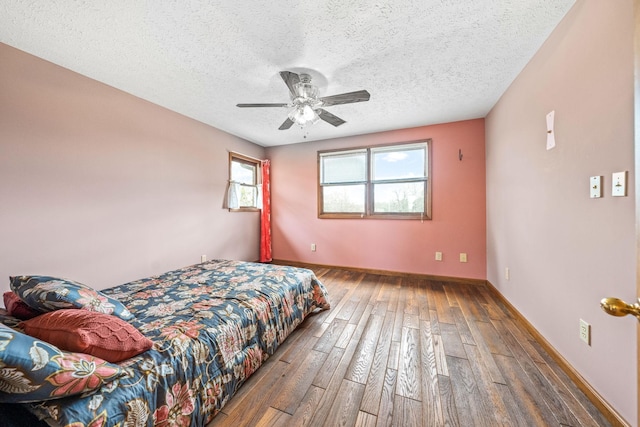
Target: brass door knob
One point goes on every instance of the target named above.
(617, 307)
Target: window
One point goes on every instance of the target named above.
(375, 182)
(244, 179)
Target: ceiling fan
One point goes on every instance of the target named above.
(305, 106)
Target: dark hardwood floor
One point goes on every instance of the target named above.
(396, 351)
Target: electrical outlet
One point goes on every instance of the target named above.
(438, 256)
(507, 273)
(313, 247)
(585, 332)
(463, 257)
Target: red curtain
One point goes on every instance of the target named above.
(265, 216)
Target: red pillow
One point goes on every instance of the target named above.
(18, 308)
(101, 335)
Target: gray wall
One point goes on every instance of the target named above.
(564, 250)
(102, 187)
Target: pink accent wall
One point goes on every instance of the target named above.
(102, 187)
(458, 223)
(565, 250)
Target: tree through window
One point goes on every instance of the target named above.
(384, 182)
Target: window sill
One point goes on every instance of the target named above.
(244, 210)
(375, 216)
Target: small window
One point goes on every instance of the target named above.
(375, 182)
(243, 182)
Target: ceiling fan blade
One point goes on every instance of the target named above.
(346, 98)
(286, 125)
(290, 79)
(261, 105)
(330, 118)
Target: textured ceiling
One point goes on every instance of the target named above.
(423, 61)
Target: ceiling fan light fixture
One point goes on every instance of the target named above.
(304, 89)
(303, 114)
(309, 114)
(305, 106)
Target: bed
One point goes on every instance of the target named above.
(211, 326)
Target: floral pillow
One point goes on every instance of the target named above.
(46, 293)
(32, 370)
(8, 320)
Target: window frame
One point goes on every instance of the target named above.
(369, 183)
(241, 158)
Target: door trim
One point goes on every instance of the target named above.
(636, 115)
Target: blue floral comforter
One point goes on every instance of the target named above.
(213, 325)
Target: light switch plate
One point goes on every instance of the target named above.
(595, 190)
(619, 184)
